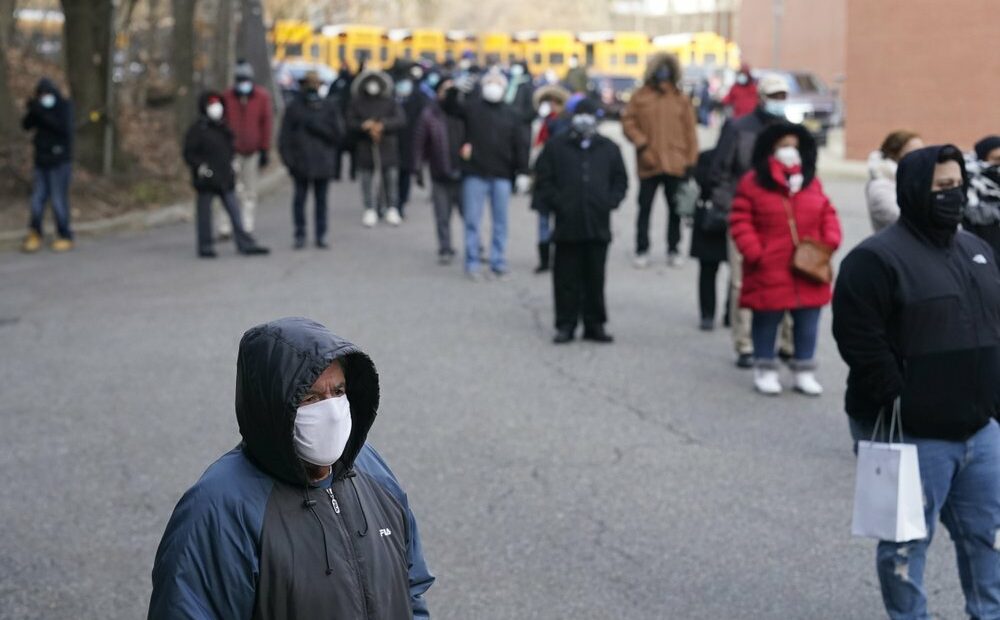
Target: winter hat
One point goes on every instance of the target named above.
(244, 70)
(987, 144)
(772, 84)
(587, 106)
(574, 101)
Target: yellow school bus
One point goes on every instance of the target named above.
(616, 53)
(549, 49)
(699, 49)
(427, 45)
(353, 44)
(458, 42)
(494, 47)
(290, 39)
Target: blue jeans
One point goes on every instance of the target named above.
(961, 484)
(52, 183)
(544, 227)
(475, 190)
(805, 330)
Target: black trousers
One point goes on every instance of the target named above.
(708, 270)
(404, 189)
(578, 282)
(299, 206)
(204, 220)
(647, 192)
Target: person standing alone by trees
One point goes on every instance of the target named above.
(50, 115)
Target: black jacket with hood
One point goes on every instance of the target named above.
(383, 108)
(733, 155)
(53, 126)
(500, 146)
(209, 150)
(310, 133)
(916, 315)
(254, 539)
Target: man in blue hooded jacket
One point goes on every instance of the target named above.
(303, 519)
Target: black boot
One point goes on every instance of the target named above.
(543, 257)
(597, 334)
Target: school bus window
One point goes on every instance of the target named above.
(383, 54)
(556, 58)
(314, 51)
(407, 53)
(537, 58)
(511, 58)
(362, 55)
(342, 52)
(631, 59)
(492, 59)
(431, 56)
(293, 49)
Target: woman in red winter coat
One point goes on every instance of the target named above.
(781, 184)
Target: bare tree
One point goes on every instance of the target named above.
(88, 36)
(183, 63)
(251, 44)
(7, 107)
(222, 53)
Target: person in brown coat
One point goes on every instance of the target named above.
(660, 121)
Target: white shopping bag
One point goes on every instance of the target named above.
(888, 496)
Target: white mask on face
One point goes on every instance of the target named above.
(322, 430)
(545, 109)
(492, 91)
(244, 87)
(788, 156)
(47, 100)
(372, 88)
(214, 111)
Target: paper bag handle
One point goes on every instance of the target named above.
(896, 422)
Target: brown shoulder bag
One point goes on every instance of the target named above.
(812, 258)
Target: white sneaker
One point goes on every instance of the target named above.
(766, 381)
(675, 260)
(806, 383)
(641, 261)
(392, 217)
(370, 218)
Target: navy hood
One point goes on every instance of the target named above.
(914, 178)
(47, 86)
(277, 364)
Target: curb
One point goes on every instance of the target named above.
(142, 220)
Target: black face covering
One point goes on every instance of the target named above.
(992, 173)
(946, 208)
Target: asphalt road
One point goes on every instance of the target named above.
(641, 480)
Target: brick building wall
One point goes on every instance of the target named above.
(924, 65)
(813, 36)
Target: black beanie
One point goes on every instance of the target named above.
(987, 144)
(587, 106)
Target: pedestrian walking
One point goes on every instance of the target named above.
(580, 177)
(310, 132)
(375, 120)
(732, 159)
(495, 151)
(50, 115)
(413, 100)
(779, 208)
(550, 103)
(880, 192)
(576, 76)
(303, 519)
(438, 140)
(251, 118)
(340, 95)
(982, 213)
(915, 315)
(209, 150)
(660, 121)
(742, 98)
(708, 242)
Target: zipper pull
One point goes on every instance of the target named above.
(333, 501)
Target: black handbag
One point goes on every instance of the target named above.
(710, 219)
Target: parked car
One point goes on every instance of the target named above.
(288, 74)
(612, 91)
(810, 102)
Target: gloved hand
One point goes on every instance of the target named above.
(265, 158)
(465, 83)
(418, 178)
(522, 184)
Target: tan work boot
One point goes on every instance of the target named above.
(62, 245)
(32, 243)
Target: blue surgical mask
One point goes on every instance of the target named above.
(404, 88)
(516, 71)
(775, 107)
(433, 80)
(244, 87)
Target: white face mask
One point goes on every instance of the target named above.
(788, 156)
(322, 430)
(492, 92)
(545, 109)
(47, 100)
(214, 111)
(244, 87)
(372, 88)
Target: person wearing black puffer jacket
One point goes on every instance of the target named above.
(209, 150)
(50, 115)
(310, 132)
(581, 179)
(916, 315)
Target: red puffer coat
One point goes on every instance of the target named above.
(760, 228)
